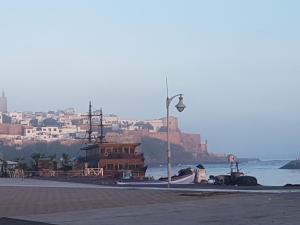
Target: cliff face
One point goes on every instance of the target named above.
(184, 142)
(186, 148)
(155, 152)
(189, 142)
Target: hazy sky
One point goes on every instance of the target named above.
(237, 62)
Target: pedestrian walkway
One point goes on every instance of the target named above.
(19, 182)
(64, 203)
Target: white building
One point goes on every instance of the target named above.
(156, 123)
(128, 124)
(109, 120)
(52, 133)
(16, 117)
(67, 118)
(44, 133)
(25, 122)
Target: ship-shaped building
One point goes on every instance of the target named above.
(118, 160)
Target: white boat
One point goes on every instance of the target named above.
(185, 179)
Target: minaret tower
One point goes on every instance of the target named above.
(3, 103)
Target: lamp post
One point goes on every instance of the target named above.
(180, 107)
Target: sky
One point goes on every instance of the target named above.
(236, 62)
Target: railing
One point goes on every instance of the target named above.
(16, 173)
(121, 155)
(93, 172)
(87, 172)
(73, 173)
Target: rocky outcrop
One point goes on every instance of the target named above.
(190, 142)
(295, 164)
(239, 180)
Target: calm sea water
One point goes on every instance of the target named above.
(266, 172)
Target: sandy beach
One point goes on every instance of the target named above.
(72, 203)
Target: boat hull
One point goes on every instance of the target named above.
(188, 179)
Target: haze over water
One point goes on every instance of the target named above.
(235, 61)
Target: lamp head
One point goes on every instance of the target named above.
(180, 106)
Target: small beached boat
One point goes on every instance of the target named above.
(187, 178)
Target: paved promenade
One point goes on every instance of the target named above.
(69, 203)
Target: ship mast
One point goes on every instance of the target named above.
(101, 137)
(90, 130)
(92, 143)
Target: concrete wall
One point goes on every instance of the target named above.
(11, 129)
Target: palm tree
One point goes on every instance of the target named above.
(66, 162)
(21, 164)
(65, 159)
(52, 157)
(3, 169)
(35, 160)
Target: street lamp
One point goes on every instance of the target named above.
(180, 107)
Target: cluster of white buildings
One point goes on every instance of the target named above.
(64, 125)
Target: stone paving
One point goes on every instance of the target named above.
(241, 210)
(68, 203)
(17, 201)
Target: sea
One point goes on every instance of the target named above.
(267, 172)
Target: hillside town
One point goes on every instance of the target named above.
(69, 126)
